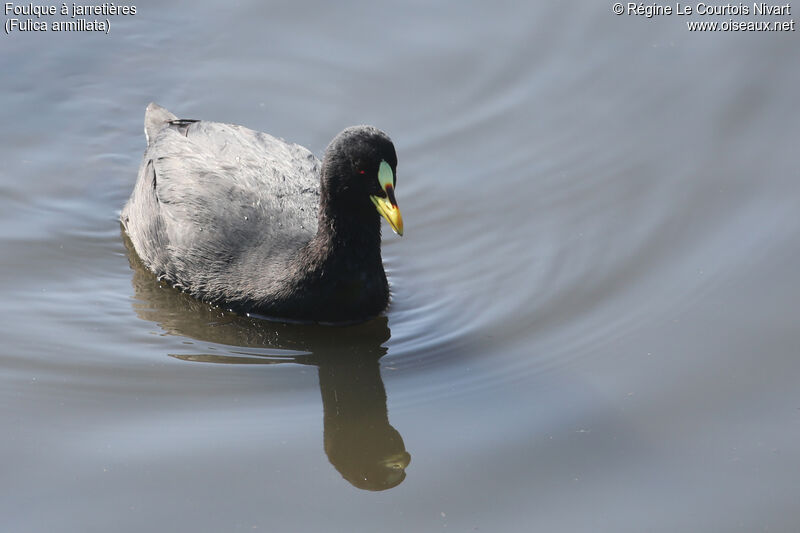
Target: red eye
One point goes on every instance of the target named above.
(361, 171)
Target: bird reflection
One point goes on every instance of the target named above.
(359, 440)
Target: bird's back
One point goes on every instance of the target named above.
(215, 203)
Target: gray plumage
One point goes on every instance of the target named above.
(230, 215)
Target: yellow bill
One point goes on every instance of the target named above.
(387, 206)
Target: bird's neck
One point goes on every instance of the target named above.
(348, 235)
(346, 226)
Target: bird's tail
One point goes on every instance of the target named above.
(156, 118)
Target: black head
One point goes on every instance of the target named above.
(359, 174)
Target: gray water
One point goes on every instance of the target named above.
(594, 323)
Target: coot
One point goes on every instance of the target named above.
(244, 220)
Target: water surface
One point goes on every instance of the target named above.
(594, 315)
